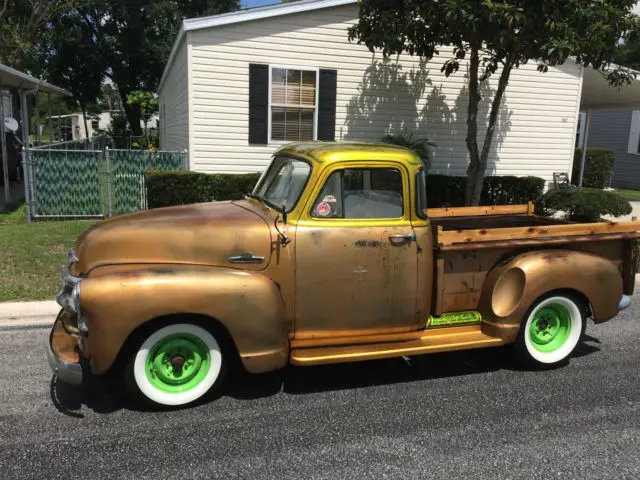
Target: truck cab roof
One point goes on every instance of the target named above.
(330, 152)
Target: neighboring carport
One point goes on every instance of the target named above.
(597, 93)
(26, 85)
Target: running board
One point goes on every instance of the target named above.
(414, 343)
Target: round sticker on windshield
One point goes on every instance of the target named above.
(323, 209)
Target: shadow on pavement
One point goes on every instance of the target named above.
(107, 394)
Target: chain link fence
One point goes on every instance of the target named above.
(64, 184)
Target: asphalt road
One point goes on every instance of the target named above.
(462, 415)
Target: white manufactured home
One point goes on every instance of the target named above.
(240, 84)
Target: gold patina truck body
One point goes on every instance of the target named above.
(333, 258)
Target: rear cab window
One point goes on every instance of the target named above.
(361, 193)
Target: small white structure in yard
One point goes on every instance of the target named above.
(238, 85)
(102, 121)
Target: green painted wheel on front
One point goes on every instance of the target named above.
(178, 363)
(175, 365)
(550, 328)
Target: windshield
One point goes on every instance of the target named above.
(283, 183)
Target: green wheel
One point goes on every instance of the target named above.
(551, 330)
(176, 365)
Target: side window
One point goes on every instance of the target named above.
(361, 193)
(421, 194)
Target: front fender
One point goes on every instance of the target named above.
(512, 287)
(117, 300)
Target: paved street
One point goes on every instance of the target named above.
(459, 416)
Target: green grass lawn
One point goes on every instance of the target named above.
(31, 256)
(630, 195)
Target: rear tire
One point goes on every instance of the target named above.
(550, 331)
(175, 365)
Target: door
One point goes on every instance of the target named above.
(356, 255)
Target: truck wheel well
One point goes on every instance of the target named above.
(216, 328)
(585, 304)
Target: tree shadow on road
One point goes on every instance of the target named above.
(108, 394)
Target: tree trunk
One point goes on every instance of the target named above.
(472, 127)
(475, 173)
(132, 112)
(84, 117)
(133, 116)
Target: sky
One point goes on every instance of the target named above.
(257, 3)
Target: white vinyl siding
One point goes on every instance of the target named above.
(536, 127)
(174, 103)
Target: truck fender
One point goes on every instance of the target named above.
(513, 286)
(117, 300)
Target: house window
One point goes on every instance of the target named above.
(95, 124)
(293, 104)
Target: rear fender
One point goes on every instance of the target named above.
(117, 300)
(512, 287)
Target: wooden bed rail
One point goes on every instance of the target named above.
(574, 230)
(526, 209)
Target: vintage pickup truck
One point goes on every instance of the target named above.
(333, 258)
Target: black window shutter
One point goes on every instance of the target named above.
(327, 104)
(258, 103)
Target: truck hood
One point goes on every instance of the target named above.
(199, 234)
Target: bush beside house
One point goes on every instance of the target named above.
(597, 168)
(166, 188)
(447, 191)
(583, 204)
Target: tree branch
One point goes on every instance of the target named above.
(4, 8)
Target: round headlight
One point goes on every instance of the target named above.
(75, 296)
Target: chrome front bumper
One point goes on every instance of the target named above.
(63, 344)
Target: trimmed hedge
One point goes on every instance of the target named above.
(446, 191)
(583, 204)
(597, 167)
(166, 188)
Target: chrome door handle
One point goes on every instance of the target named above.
(402, 237)
(246, 257)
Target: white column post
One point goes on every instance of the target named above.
(3, 145)
(26, 167)
(584, 146)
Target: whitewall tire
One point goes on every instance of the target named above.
(175, 365)
(551, 331)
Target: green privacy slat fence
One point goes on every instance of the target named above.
(128, 168)
(91, 183)
(65, 183)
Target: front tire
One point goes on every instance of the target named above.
(550, 331)
(175, 365)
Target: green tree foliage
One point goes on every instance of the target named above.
(21, 22)
(496, 37)
(129, 41)
(68, 55)
(146, 102)
(422, 147)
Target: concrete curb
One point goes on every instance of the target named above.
(20, 311)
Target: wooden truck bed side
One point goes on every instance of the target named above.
(467, 247)
(516, 225)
